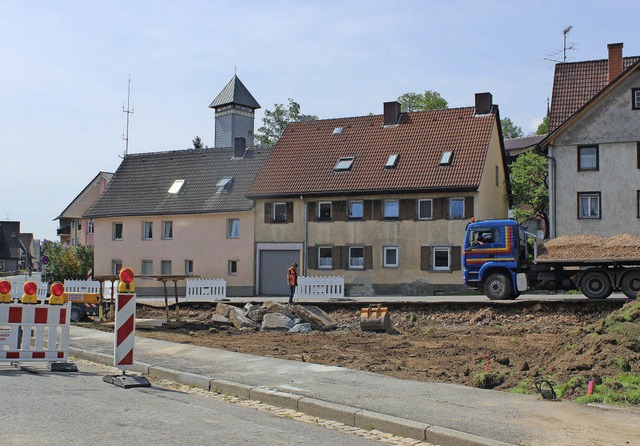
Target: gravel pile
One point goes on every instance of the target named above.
(590, 247)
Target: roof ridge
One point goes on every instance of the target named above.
(594, 60)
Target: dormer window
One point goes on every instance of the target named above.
(224, 183)
(176, 186)
(337, 131)
(445, 159)
(344, 163)
(392, 161)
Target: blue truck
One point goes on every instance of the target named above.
(498, 261)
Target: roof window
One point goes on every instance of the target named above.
(392, 161)
(344, 163)
(445, 160)
(224, 183)
(337, 131)
(176, 186)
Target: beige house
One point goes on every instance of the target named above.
(73, 228)
(381, 200)
(593, 146)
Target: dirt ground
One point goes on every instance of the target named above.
(448, 343)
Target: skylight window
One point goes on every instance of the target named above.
(344, 163)
(392, 161)
(337, 131)
(224, 183)
(445, 160)
(176, 186)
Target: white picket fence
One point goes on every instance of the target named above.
(320, 287)
(206, 290)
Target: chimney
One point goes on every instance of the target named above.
(484, 103)
(239, 147)
(392, 111)
(615, 60)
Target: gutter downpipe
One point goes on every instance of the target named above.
(304, 236)
(553, 219)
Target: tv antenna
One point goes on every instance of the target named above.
(128, 111)
(565, 46)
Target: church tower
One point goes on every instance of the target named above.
(235, 115)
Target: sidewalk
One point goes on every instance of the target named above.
(445, 414)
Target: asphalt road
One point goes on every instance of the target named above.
(47, 408)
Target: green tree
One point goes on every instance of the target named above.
(510, 130)
(530, 188)
(429, 100)
(67, 262)
(543, 128)
(197, 143)
(274, 122)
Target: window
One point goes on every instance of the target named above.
(356, 257)
(588, 158)
(116, 266)
(337, 131)
(344, 163)
(224, 183)
(233, 267)
(165, 267)
(325, 257)
(324, 210)
(392, 161)
(441, 258)
(233, 228)
(445, 159)
(497, 177)
(279, 212)
(390, 256)
(588, 204)
(482, 237)
(391, 209)
(635, 99)
(147, 267)
(167, 230)
(188, 267)
(638, 204)
(117, 231)
(425, 209)
(176, 186)
(356, 209)
(90, 227)
(1, 265)
(456, 208)
(147, 230)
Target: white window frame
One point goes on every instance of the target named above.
(275, 213)
(392, 161)
(424, 200)
(233, 228)
(188, 267)
(445, 159)
(143, 270)
(90, 227)
(351, 204)
(167, 224)
(353, 263)
(163, 267)
(451, 201)
(319, 211)
(115, 232)
(147, 235)
(344, 163)
(437, 249)
(591, 199)
(385, 250)
(322, 264)
(386, 208)
(233, 267)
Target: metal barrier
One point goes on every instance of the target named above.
(31, 333)
(206, 290)
(321, 287)
(17, 288)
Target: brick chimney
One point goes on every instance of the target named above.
(392, 111)
(484, 103)
(615, 60)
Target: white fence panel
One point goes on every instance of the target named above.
(320, 287)
(206, 290)
(17, 289)
(82, 286)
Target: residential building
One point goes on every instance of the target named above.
(382, 200)
(593, 146)
(10, 249)
(73, 229)
(518, 146)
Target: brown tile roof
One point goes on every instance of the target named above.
(303, 160)
(575, 83)
(523, 143)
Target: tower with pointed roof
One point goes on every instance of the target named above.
(235, 114)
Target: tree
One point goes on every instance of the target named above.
(430, 100)
(530, 188)
(197, 143)
(510, 130)
(68, 262)
(543, 128)
(274, 122)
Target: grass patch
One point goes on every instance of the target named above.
(522, 387)
(623, 389)
(487, 380)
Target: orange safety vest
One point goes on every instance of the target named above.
(293, 276)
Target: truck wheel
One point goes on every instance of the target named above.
(75, 315)
(631, 284)
(497, 287)
(595, 285)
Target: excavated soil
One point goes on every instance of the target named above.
(590, 247)
(447, 343)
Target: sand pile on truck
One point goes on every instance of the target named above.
(590, 247)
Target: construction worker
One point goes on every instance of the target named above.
(292, 279)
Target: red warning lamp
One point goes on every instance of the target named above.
(30, 291)
(5, 289)
(57, 291)
(126, 280)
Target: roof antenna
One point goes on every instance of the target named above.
(571, 46)
(128, 111)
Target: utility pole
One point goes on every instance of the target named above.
(128, 111)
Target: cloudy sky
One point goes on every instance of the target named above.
(65, 65)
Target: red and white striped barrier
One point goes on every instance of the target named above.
(34, 332)
(125, 331)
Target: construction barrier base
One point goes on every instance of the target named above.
(63, 367)
(127, 381)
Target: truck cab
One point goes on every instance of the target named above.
(494, 252)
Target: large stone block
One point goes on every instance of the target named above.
(277, 322)
(275, 307)
(318, 319)
(224, 309)
(240, 321)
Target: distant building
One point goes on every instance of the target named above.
(10, 250)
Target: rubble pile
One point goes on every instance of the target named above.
(590, 247)
(273, 316)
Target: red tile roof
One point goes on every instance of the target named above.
(575, 83)
(303, 160)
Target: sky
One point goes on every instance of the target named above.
(66, 65)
